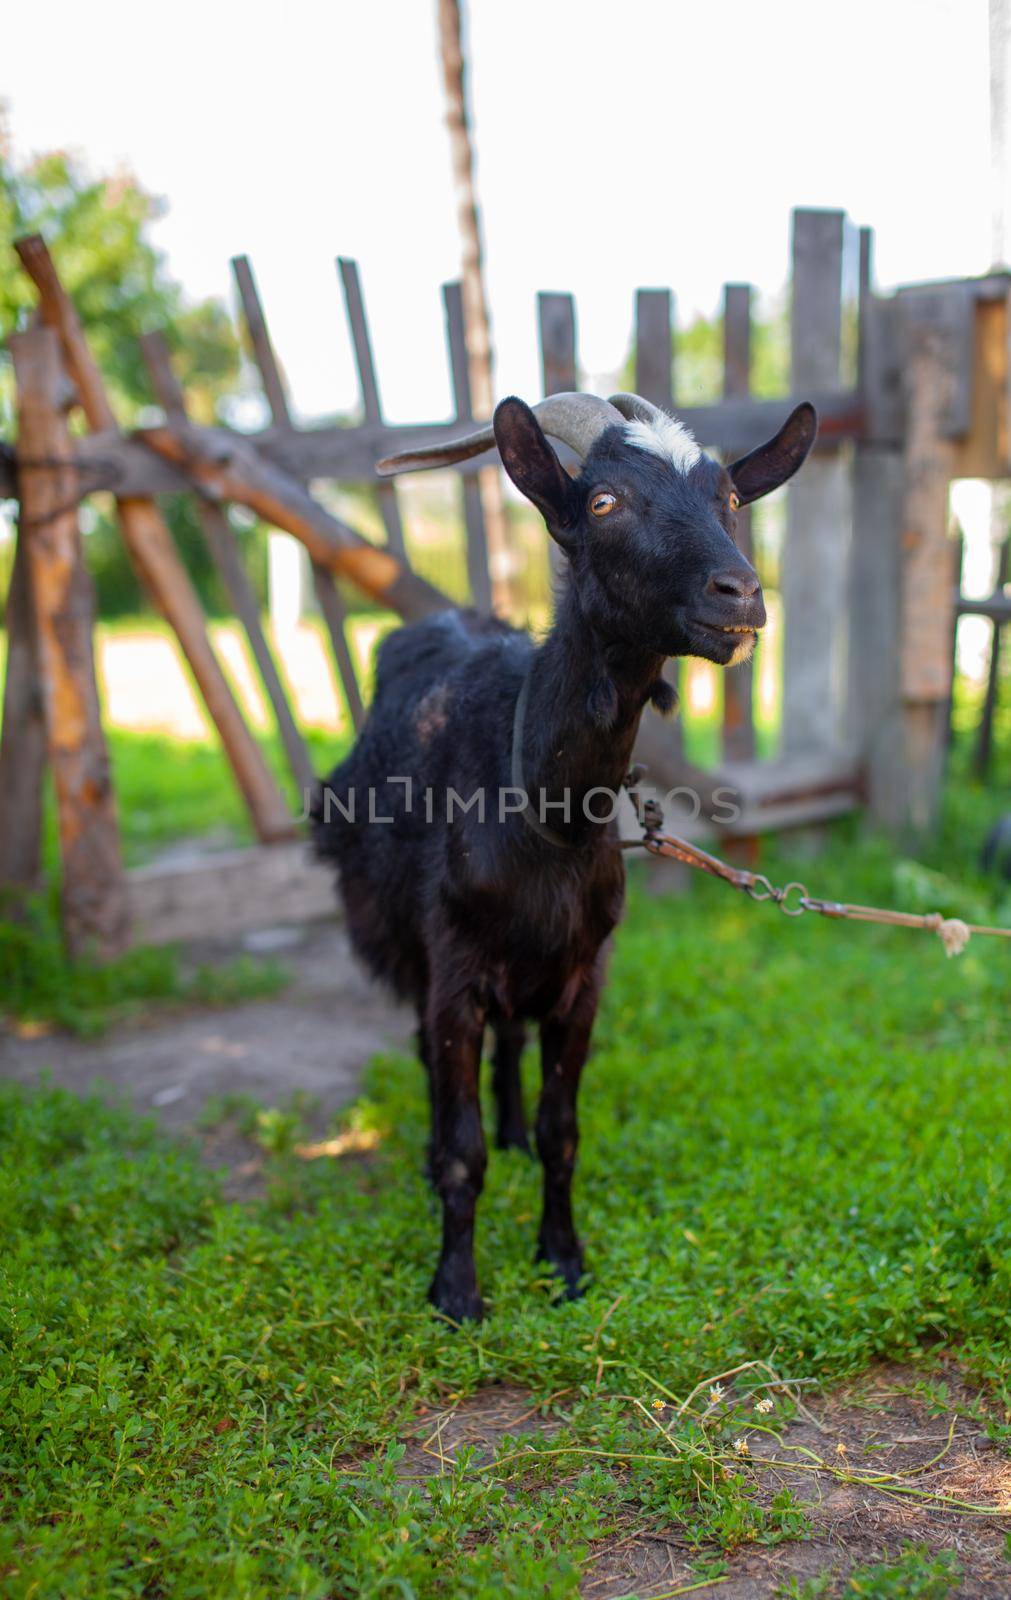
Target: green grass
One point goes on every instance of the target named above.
(796, 1141)
(40, 985)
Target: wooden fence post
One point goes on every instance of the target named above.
(478, 564)
(816, 549)
(93, 892)
(156, 559)
(873, 721)
(556, 321)
(22, 740)
(738, 719)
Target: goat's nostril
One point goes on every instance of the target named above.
(733, 585)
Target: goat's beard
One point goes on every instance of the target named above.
(744, 651)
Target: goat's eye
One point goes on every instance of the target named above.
(735, 501)
(601, 504)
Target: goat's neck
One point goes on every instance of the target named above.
(586, 698)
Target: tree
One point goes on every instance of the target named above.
(97, 230)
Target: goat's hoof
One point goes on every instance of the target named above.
(456, 1303)
(568, 1267)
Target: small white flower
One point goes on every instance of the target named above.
(741, 1446)
(764, 1405)
(716, 1393)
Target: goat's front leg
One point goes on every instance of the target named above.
(455, 1031)
(565, 1042)
(511, 1129)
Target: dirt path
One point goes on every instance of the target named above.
(875, 1426)
(315, 1037)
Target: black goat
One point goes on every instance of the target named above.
(481, 908)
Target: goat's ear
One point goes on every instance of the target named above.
(534, 468)
(771, 464)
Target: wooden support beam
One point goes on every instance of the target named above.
(22, 742)
(122, 465)
(478, 567)
(227, 467)
(224, 550)
(93, 899)
(815, 558)
(328, 597)
(156, 559)
(738, 718)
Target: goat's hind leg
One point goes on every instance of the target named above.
(454, 1035)
(565, 1043)
(511, 1126)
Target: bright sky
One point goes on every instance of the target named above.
(650, 142)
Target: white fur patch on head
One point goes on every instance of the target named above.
(666, 437)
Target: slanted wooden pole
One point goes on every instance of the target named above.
(156, 559)
(22, 743)
(226, 467)
(328, 597)
(93, 893)
(475, 300)
(225, 554)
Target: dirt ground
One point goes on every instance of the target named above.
(874, 1426)
(315, 1037)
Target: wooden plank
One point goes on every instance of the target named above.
(125, 467)
(22, 743)
(228, 893)
(738, 682)
(873, 710)
(328, 597)
(983, 451)
(224, 550)
(654, 351)
(260, 340)
(226, 467)
(815, 556)
(984, 737)
(933, 354)
(354, 305)
(478, 570)
(556, 321)
(150, 547)
(93, 903)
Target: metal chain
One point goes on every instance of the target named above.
(792, 898)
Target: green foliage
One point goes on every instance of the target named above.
(40, 985)
(916, 1575)
(697, 352)
(98, 229)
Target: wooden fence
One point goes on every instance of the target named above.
(867, 589)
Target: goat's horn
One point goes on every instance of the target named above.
(577, 420)
(635, 409)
